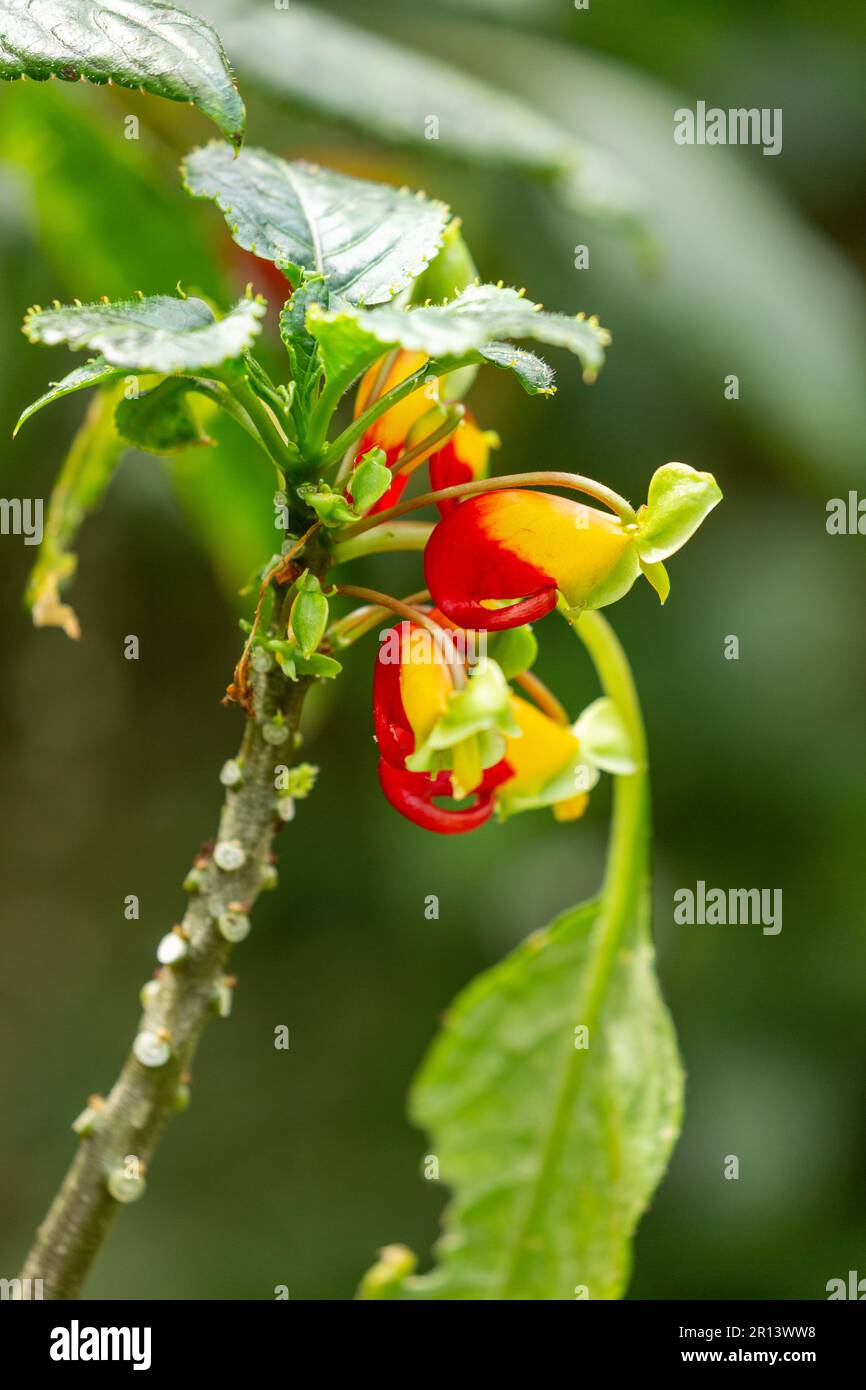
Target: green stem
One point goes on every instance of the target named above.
(369, 416)
(576, 482)
(626, 882)
(402, 535)
(283, 454)
(627, 870)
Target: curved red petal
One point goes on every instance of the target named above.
(390, 724)
(411, 793)
(470, 614)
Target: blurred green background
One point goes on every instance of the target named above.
(292, 1168)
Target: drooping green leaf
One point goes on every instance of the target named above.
(93, 457)
(159, 334)
(322, 64)
(162, 421)
(93, 373)
(368, 240)
(552, 1150)
(480, 316)
(133, 43)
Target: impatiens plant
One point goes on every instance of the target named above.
(552, 1095)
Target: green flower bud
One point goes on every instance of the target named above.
(309, 616)
(370, 480)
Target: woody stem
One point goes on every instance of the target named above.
(131, 1121)
(352, 432)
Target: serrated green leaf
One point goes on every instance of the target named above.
(162, 421)
(93, 373)
(93, 457)
(481, 315)
(368, 240)
(133, 43)
(159, 334)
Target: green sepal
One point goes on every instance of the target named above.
(604, 738)
(449, 272)
(482, 706)
(657, 576)
(332, 508)
(513, 650)
(679, 498)
(294, 664)
(579, 775)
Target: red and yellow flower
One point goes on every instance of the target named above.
(503, 558)
(516, 544)
(477, 743)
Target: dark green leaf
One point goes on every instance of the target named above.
(159, 334)
(134, 43)
(93, 457)
(92, 373)
(368, 240)
(162, 421)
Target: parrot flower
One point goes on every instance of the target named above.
(413, 690)
(438, 739)
(465, 457)
(497, 547)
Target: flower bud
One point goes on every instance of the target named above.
(309, 615)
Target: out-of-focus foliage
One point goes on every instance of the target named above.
(107, 762)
